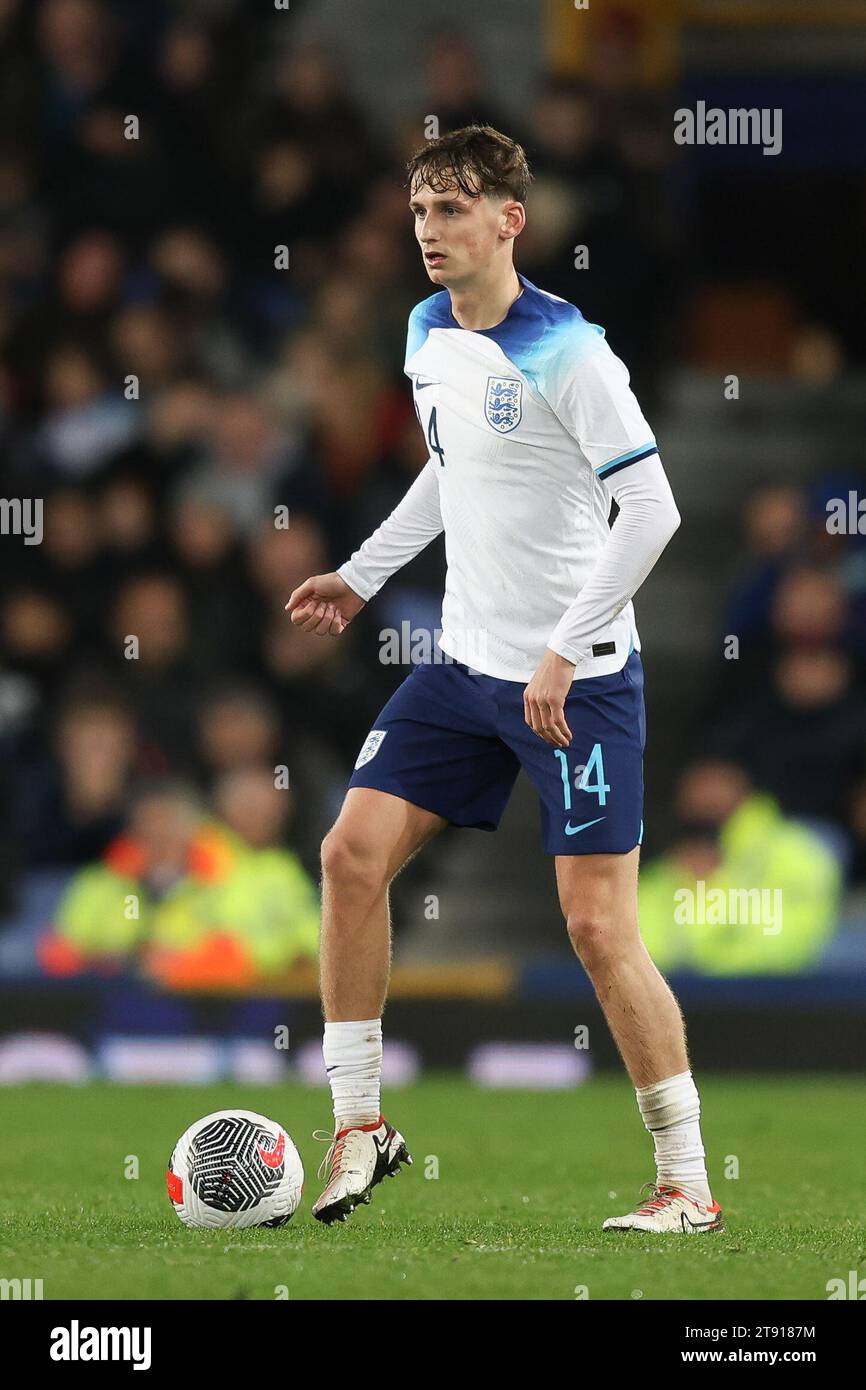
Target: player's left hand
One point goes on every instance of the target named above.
(544, 699)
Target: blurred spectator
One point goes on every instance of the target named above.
(597, 240)
(67, 564)
(164, 863)
(268, 899)
(244, 727)
(809, 610)
(127, 521)
(75, 308)
(310, 102)
(282, 556)
(149, 634)
(146, 343)
(775, 520)
(238, 729)
(36, 634)
(803, 737)
(210, 560)
(456, 92)
(187, 899)
(247, 454)
(71, 803)
(193, 109)
(86, 421)
(743, 891)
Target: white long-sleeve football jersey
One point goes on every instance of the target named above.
(532, 427)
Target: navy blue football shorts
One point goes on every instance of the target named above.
(453, 741)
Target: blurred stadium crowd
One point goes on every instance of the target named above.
(164, 387)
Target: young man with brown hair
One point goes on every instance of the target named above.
(532, 429)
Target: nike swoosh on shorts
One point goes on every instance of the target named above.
(576, 829)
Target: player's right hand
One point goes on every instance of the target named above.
(324, 605)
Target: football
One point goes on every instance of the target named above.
(235, 1168)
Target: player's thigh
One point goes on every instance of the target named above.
(376, 833)
(436, 746)
(598, 896)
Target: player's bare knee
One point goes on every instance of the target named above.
(351, 862)
(594, 936)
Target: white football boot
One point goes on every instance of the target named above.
(359, 1158)
(668, 1209)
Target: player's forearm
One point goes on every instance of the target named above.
(648, 517)
(414, 523)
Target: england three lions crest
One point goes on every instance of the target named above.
(372, 744)
(504, 404)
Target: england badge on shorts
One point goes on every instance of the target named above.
(503, 405)
(372, 744)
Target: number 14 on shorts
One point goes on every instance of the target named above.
(593, 766)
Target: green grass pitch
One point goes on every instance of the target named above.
(524, 1181)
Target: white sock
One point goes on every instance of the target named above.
(353, 1060)
(671, 1111)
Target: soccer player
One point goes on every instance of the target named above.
(532, 428)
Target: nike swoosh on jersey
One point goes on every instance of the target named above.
(420, 385)
(576, 829)
(272, 1158)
